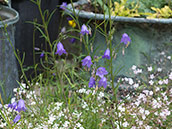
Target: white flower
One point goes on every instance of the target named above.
(126, 79)
(170, 76)
(121, 108)
(15, 90)
(147, 112)
(169, 57)
(141, 110)
(130, 81)
(165, 81)
(146, 92)
(162, 53)
(140, 123)
(101, 94)
(157, 89)
(149, 68)
(66, 124)
(159, 69)
(150, 93)
(125, 124)
(143, 117)
(133, 127)
(148, 127)
(134, 67)
(160, 82)
(152, 76)
(78, 125)
(136, 85)
(13, 100)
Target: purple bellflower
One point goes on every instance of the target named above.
(92, 82)
(106, 54)
(84, 30)
(17, 118)
(72, 40)
(101, 71)
(87, 61)
(63, 6)
(103, 82)
(13, 105)
(21, 106)
(125, 39)
(42, 55)
(60, 49)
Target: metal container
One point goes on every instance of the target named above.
(8, 66)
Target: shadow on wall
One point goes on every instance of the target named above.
(28, 11)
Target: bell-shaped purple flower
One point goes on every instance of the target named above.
(13, 105)
(60, 49)
(17, 118)
(106, 54)
(63, 6)
(125, 39)
(42, 55)
(101, 71)
(87, 61)
(92, 82)
(103, 82)
(72, 40)
(84, 30)
(21, 106)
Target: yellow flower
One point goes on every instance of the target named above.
(72, 23)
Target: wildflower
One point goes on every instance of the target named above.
(151, 82)
(165, 81)
(159, 69)
(17, 118)
(106, 54)
(72, 23)
(92, 82)
(152, 76)
(160, 82)
(60, 49)
(134, 67)
(36, 48)
(125, 124)
(101, 71)
(130, 81)
(169, 57)
(42, 55)
(84, 30)
(13, 105)
(125, 39)
(72, 40)
(63, 30)
(21, 105)
(170, 76)
(63, 6)
(150, 68)
(87, 61)
(103, 82)
(136, 85)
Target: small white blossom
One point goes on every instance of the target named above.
(150, 68)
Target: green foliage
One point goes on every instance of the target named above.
(152, 9)
(123, 9)
(164, 12)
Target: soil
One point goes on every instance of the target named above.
(88, 7)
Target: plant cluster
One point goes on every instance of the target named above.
(82, 93)
(136, 8)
